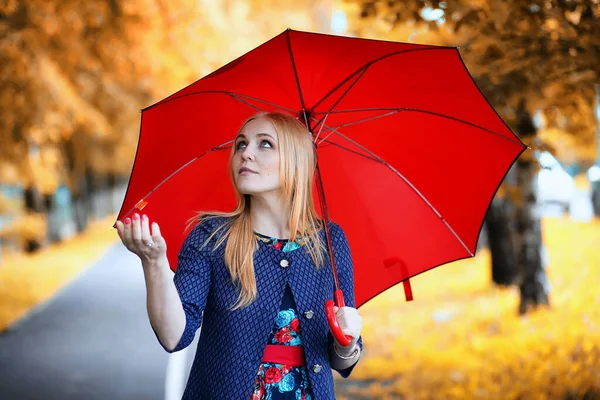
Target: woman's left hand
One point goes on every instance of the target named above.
(351, 323)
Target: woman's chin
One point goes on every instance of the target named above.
(244, 189)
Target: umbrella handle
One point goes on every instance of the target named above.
(336, 330)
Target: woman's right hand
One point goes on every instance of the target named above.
(135, 234)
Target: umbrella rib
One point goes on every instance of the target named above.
(247, 103)
(342, 96)
(266, 102)
(424, 112)
(289, 45)
(381, 160)
(219, 147)
(367, 65)
(238, 96)
(227, 93)
(359, 121)
(354, 151)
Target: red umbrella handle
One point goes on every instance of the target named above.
(336, 330)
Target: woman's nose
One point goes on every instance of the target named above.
(247, 155)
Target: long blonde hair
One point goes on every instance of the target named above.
(296, 172)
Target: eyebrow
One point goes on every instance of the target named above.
(258, 135)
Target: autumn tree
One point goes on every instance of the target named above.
(74, 75)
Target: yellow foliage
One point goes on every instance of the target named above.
(463, 339)
(566, 147)
(7, 205)
(86, 68)
(30, 226)
(9, 173)
(582, 182)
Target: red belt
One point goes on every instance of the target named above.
(280, 354)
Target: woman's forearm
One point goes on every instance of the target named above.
(339, 363)
(165, 310)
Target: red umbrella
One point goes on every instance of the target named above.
(410, 153)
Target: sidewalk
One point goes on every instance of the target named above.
(92, 341)
(28, 281)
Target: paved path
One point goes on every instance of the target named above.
(91, 341)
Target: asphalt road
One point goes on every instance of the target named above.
(91, 341)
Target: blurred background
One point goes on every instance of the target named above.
(521, 320)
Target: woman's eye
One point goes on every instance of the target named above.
(240, 143)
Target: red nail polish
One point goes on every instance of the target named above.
(136, 216)
(127, 220)
(144, 217)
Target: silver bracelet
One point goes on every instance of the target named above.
(352, 355)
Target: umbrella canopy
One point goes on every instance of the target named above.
(410, 152)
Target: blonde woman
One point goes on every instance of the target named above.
(256, 279)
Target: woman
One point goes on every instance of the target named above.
(256, 278)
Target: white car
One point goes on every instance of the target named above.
(554, 184)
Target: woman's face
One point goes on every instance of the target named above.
(257, 149)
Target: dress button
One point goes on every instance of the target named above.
(317, 368)
(309, 314)
(284, 263)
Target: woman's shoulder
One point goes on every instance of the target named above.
(334, 228)
(208, 224)
(208, 221)
(337, 233)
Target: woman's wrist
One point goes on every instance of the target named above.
(340, 362)
(159, 263)
(346, 352)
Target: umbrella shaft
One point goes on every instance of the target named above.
(325, 214)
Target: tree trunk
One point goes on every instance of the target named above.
(53, 219)
(596, 198)
(111, 181)
(33, 204)
(102, 194)
(82, 200)
(595, 189)
(74, 152)
(504, 263)
(528, 233)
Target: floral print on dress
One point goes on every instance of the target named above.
(281, 381)
(280, 244)
(287, 328)
(276, 381)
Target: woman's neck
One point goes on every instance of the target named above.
(269, 216)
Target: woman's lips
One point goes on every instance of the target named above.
(246, 171)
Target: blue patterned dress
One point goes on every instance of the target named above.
(280, 381)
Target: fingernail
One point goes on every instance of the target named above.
(136, 216)
(144, 217)
(127, 220)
